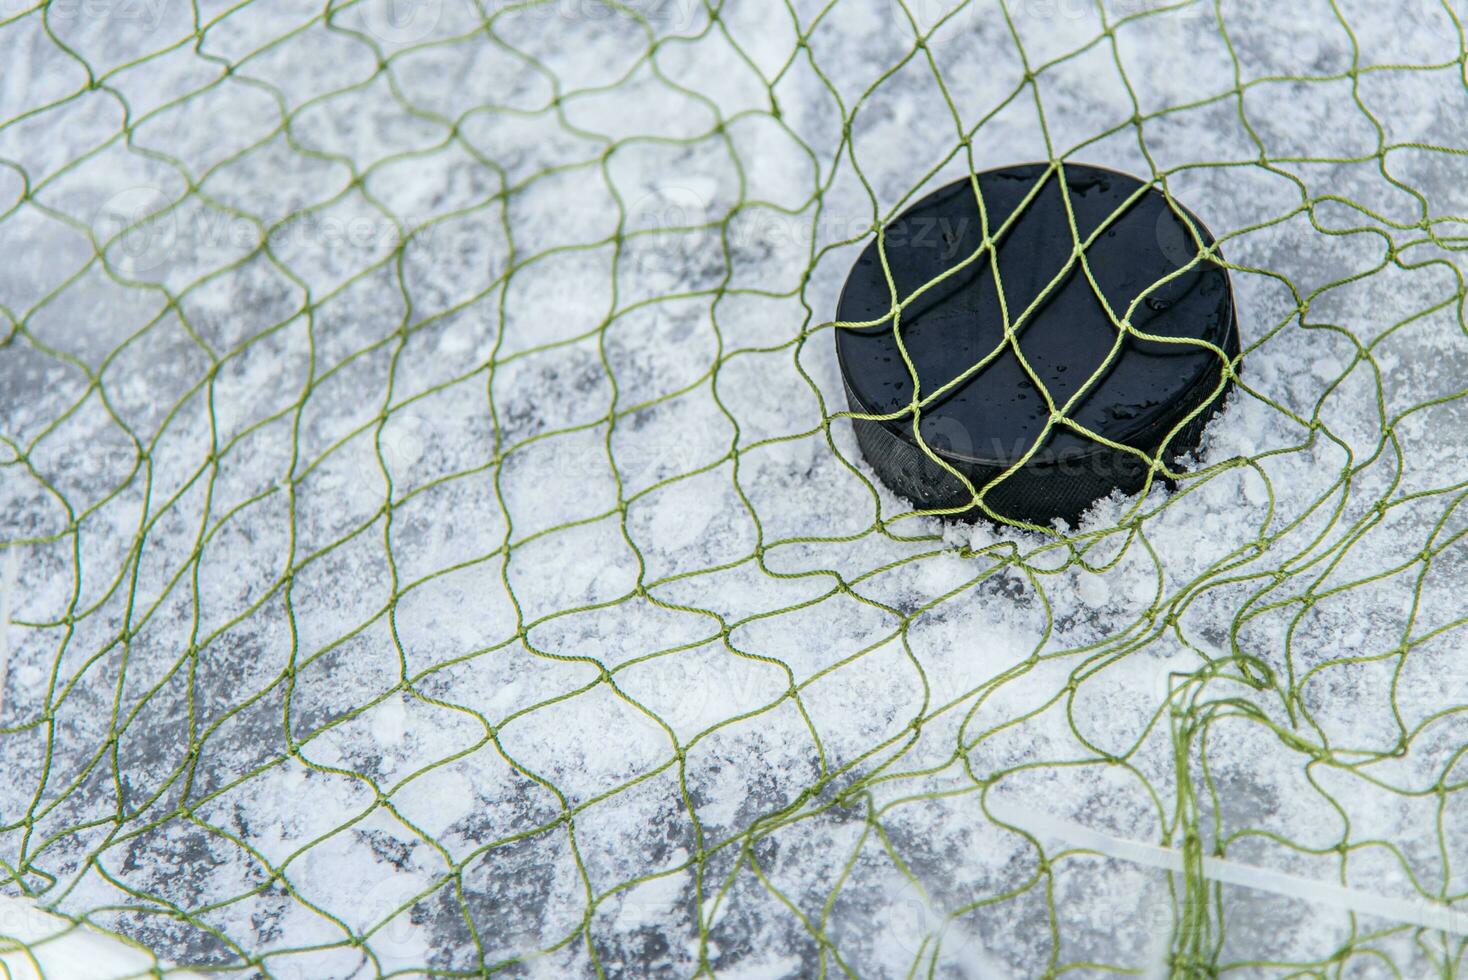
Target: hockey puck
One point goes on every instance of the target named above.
(982, 408)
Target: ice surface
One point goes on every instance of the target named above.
(431, 543)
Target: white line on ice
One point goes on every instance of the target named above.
(1413, 912)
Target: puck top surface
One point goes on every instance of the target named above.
(1064, 330)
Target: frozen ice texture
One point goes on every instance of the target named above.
(434, 544)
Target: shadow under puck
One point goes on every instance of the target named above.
(982, 410)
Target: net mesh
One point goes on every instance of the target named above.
(435, 542)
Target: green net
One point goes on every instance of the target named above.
(434, 542)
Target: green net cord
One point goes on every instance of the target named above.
(434, 542)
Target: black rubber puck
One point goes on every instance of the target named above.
(982, 410)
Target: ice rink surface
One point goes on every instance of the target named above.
(433, 544)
